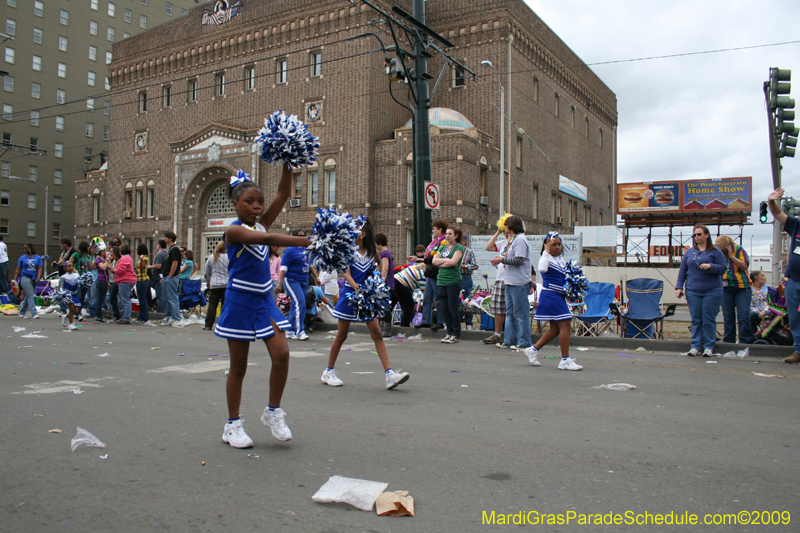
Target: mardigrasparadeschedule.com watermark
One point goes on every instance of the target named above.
(634, 518)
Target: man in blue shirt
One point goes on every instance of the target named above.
(294, 271)
(791, 225)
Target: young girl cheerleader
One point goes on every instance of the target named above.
(249, 312)
(69, 282)
(364, 265)
(553, 304)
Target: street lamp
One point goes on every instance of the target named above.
(502, 134)
(46, 211)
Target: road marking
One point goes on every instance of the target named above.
(301, 355)
(193, 368)
(61, 386)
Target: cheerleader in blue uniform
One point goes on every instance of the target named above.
(553, 303)
(366, 260)
(249, 312)
(70, 283)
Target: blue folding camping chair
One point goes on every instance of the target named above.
(644, 319)
(597, 317)
(192, 298)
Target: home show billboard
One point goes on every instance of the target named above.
(726, 195)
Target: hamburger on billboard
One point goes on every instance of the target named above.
(641, 197)
(725, 194)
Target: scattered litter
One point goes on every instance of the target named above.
(216, 355)
(34, 335)
(711, 362)
(616, 386)
(359, 493)
(227, 372)
(54, 431)
(203, 463)
(456, 371)
(181, 354)
(17, 329)
(84, 437)
(417, 337)
(77, 391)
(762, 375)
(330, 336)
(107, 342)
(34, 414)
(582, 349)
(551, 357)
(104, 456)
(741, 354)
(103, 354)
(464, 386)
(640, 349)
(624, 355)
(363, 372)
(254, 456)
(126, 333)
(397, 503)
(376, 353)
(156, 348)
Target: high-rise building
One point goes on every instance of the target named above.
(56, 106)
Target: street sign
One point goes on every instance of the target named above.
(431, 195)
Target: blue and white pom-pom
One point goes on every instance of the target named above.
(576, 285)
(284, 138)
(333, 241)
(372, 299)
(60, 297)
(86, 280)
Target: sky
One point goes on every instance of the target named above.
(692, 117)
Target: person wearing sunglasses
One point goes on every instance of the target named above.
(702, 268)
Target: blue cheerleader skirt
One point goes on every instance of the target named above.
(552, 306)
(247, 316)
(344, 311)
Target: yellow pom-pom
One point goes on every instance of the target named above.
(501, 224)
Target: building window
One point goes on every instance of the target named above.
(249, 78)
(112, 10)
(587, 126)
(106, 107)
(601, 137)
(94, 4)
(64, 18)
(36, 63)
(519, 152)
(109, 57)
(127, 16)
(59, 123)
(34, 145)
(166, 96)
(57, 204)
(572, 115)
(191, 93)
(92, 53)
(556, 102)
(151, 199)
(89, 129)
(107, 84)
(38, 8)
(8, 111)
(142, 102)
(313, 188)
(90, 103)
(36, 90)
(143, 22)
(37, 35)
(31, 200)
(92, 27)
(4, 225)
(219, 203)
(298, 185)
(219, 84)
(61, 96)
(110, 34)
(316, 64)
(410, 183)
(11, 27)
(8, 83)
(96, 209)
(31, 231)
(535, 203)
(56, 230)
(59, 150)
(183, 12)
(140, 204)
(283, 69)
(58, 177)
(91, 78)
(169, 9)
(459, 77)
(128, 197)
(5, 170)
(6, 138)
(62, 43)
(62, 70)
(535, 89)
(10, 55)
(105, 133)
(34, 118)
(330, 186)
(481, 182)
(144, 2)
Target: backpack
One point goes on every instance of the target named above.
(311, 298)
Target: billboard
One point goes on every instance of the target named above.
(727, 194)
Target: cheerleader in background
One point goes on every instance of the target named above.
(366, 260)
(553, 303)
(69, 282)
(249, 312)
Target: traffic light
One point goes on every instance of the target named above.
(782, 105)
(394, 70)
(762, 212)
(791, 207)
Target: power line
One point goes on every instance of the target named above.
(692, 53)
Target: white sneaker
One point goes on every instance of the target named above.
(446, 339)
(290, 336)
(401, 336)
(533, 355)
(274, 420)
(691, 353)
(469, 328)
(515, 348)
(302, 337)
(35, 316)
(23, 317)
(569, 364)
(71, 327)
(706, 353)
(235, 435)
(329, 377)
(393, 379)
(64, 321)
(84, 312)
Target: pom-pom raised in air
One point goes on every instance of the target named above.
(333, 241)
(285, 138)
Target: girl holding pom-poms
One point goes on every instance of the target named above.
(553, 304)
(366, 259)
(249, 312)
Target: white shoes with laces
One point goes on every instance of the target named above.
(395, 378)
(275, 421)
(329, 377)
(235, 435)
(569, 364)
(533, 355)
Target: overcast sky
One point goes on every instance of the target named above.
(692, 117)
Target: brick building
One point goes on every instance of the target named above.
(187, 100)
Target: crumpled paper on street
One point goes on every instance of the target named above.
(397, 503)
(616, 386)
(359, 493)
(741, 354)
(84, 437)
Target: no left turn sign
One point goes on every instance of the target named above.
(431, 196)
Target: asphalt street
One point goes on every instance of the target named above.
(475, 431)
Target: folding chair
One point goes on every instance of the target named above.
(644, 318)
(192, 298)
(597, 317)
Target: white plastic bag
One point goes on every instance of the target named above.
(84, 437)
(359, 493)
